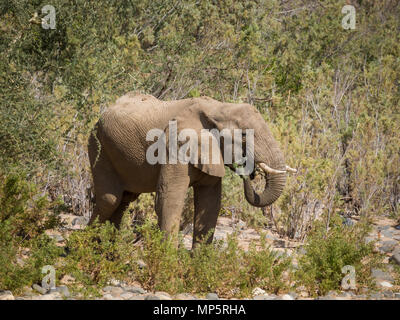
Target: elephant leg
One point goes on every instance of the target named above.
(170, 197)
(127, 198)
(107, 189)
(207, 204)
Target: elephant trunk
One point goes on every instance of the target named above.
(273, 188)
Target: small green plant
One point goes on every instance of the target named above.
(219, 267)
(328, 251)
(97, 254)
(24, 217)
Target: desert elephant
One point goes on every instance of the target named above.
(117, 152)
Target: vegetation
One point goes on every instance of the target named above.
(331, 96)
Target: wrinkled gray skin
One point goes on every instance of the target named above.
(117, 153)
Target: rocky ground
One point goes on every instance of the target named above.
(385, 232)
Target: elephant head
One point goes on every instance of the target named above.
(267, 154)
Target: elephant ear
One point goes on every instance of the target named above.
(195, 145)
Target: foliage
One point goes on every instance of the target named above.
(223, 268)
(23, 220)
(327, 252)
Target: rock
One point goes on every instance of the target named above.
(48, 296)
(378, 274)
(115, 291)
(388, 246)
(108, 296)
(287, 297)
(126, 295)
(79, 221)
(56, 237)
(39, 289)
(327, 297)
(212, 296)
(185, 296)
(258, 291)
(397, 227)
(139, 297)
(6, 295)
(152, 297)
(385, 284)
(135, 290)
(387, 233)
(396, 257)
(265, 297)
(163, 295)
(64, 291)
(376, 295)
(397, 295)
(388, 294)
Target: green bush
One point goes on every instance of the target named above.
(220, 267)
(24, 217)
(98, 254)
(327, 252)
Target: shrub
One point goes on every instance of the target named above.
(327, 252)
(97, 254)
(219, 267)
(24, 217)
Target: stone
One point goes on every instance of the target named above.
(388, 294)
(135, 290)
(212, 296)
(396, 257)
(287, 297)
(388, 246)
(185, 296)
(265, 297)
(152, 297)
(385, 284)
(387, 233)
(397, 295)
(79, 221)
(39, 289)
(381, 275)
(113, 290)
(48, 296)
(56, 237)
(64, 291)
(327, 297)
(258, 291)
(108, 296)
(126, 295)
(376, 295)
(6, 295)
(139, 297)
(163, 295)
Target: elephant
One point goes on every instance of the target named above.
(117, 153)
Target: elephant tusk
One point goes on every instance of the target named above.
(291, 169)
(269, 169)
